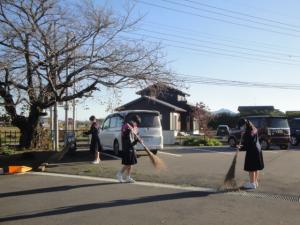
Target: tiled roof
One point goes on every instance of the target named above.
(175, 108)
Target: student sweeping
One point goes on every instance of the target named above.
(129, 140)
(254, 157)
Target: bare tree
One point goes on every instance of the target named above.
(202, 116)
(41, 39)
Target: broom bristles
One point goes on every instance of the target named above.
(229, 180)
(155, 160)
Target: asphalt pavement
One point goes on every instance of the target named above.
(44, 199)
(187, 192)
(195, 166)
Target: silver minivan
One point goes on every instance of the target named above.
(150, 130)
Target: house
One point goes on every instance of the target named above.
(176, 112)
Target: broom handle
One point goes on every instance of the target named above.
(140, 140)
(238, 149)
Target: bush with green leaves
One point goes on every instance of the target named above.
(5, 150)
(201, 142)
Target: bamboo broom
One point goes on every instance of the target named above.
(155, 160)
(230, 180)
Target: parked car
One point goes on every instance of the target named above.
(223, 130)
(150, 130)
(272, 130)
(295, 131)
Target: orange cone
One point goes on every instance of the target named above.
(18, 169)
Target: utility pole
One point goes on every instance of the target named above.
(52, 127)
(66, 118)
(56, 134)
(66, 103)
(74, 114)
(73, 101)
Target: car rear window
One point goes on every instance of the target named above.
(148, 119)
(279, 123)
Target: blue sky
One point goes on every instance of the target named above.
(208, 37)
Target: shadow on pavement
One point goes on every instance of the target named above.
(52, 189)
(83, 156)
(116, 203)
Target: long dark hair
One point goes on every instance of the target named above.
(133, 118)
(249, 127)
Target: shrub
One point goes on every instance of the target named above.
(5, 150)
(213, 142)
(202, 142)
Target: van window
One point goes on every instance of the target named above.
(106, 124)
(148, 119)
(113, 122)
(116, 121)
(279, 123)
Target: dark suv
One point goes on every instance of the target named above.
(272, 130)
(295, 131)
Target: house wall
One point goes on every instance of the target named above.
(175, 121)
(169, 137)
(169, 95)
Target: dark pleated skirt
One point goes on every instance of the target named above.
(129, 157)
(254, 160)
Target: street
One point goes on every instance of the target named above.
(42, 199)
(186, 193)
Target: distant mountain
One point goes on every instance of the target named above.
(223, 111)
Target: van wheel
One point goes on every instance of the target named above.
(294, 140)
(284, 147)
(264, 144)
(232, 142)
(116, 147)
(154, 151)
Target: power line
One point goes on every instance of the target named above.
(222, 38)
(201, 50)
(222, 82)
(217, 19)
(233, 17)
(268, 10)
(242, 14)
(221, 44)
(230, 16)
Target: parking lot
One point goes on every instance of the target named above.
(90, 194)
(36, 199)
(194, 166)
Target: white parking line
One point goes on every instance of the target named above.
(109, 155)
(172, 154)
(270, 151)
(141, 183)
(214, 151)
